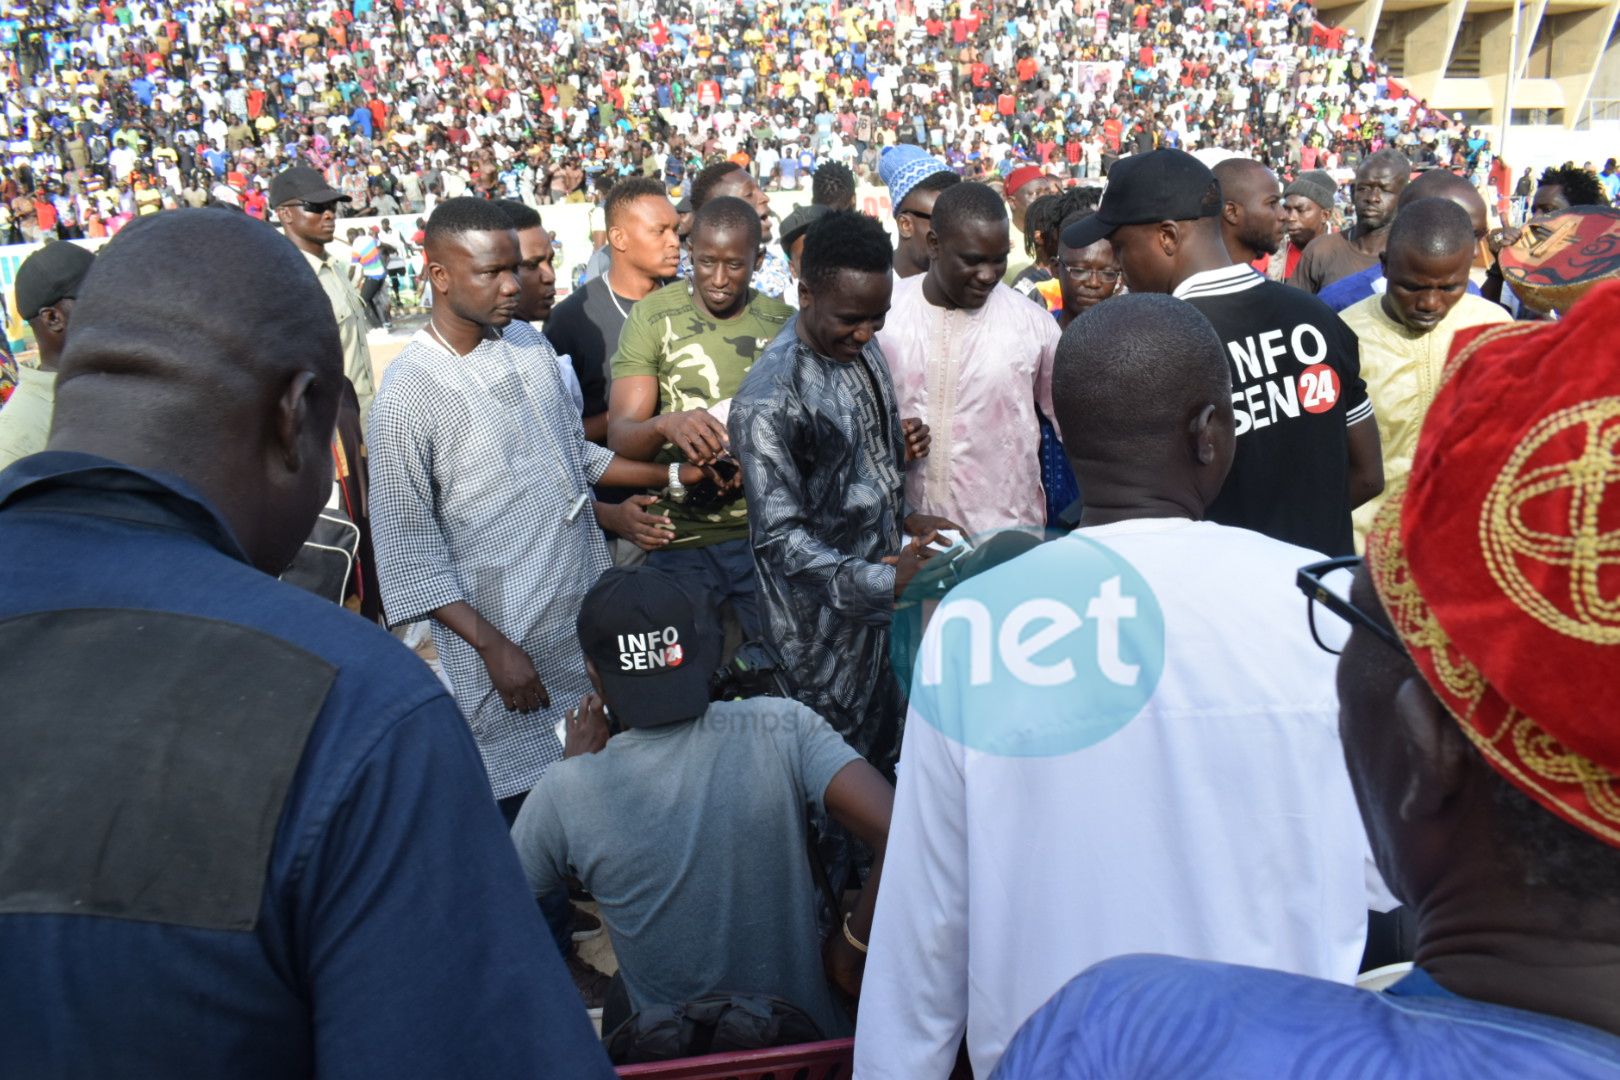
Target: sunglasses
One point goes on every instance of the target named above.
(1310, 580)
(318, 207)
(919, 214)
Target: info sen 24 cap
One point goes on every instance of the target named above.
(655, 645)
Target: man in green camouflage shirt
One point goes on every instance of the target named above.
(682, 354)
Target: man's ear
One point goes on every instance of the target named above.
(1169, 238)
(1229, 213)
(1435, 752)
(294, 413)
(440, 277)
(933, 244)
(1201, 435)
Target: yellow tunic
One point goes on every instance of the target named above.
(1402, 370)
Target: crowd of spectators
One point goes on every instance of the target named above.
(877, 635)
(114, 110)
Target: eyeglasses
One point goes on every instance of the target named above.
(318, 207)
(1081, 273)
(1311, 583)
(919, 214)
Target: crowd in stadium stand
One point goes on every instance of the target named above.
(113, 110)
(1172, 647)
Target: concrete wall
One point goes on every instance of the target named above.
(1566, 48)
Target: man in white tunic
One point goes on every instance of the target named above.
(972, 358)
(1123, 741)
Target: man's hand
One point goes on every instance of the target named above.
(513, 674)
(909, 561)
(919, 524)
(713, 485)
(695, 433)
(630, 519)
(586, 726)
(916, 436)
(843, 963)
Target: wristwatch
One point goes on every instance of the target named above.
(677, 490)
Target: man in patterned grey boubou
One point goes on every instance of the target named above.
(823, 452)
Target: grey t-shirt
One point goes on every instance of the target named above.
(692, 839)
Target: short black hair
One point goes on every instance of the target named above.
(939, 181)
(1079, 199)
(727, 212)
(843, 240)
(1550, 851)
(1581, 188)
(1042, 216)
(628, 191)
(1127, 371)
(1432, 226)
(138, 315)
(521, 214)
(832, 184)
(965, 202)
(708, 178)
(464, 214)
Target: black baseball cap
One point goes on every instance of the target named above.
(49, 276)
(1164, 185)
(655, 645)
(798, 223)
(302, 182)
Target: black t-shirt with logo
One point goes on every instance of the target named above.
(1296, 388)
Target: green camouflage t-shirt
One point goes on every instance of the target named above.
(698, 361)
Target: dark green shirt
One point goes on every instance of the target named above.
(698, 361)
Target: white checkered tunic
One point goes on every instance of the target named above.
(475, 462)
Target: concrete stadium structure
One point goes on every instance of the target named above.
(1455, 55)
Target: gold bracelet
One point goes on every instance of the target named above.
(849, 937)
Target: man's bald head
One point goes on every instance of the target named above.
(1143, 395)
(1387, 160)
(203, 346)
(1379, 183)
(1431, 227)
(1241, 174)
(1442, 184)
(1426, 262)
(1251, 209)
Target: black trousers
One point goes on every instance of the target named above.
(554, 906)
(368, 293)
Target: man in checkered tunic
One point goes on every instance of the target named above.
(481, 481)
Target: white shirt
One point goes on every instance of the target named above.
(1217, 823)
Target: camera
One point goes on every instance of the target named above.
(755, 671)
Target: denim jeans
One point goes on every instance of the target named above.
(554, 906)
(725, 571)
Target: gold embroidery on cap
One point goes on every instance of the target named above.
(1407, 611)
(1539, 765)
(1582, 549)
(1516, 746)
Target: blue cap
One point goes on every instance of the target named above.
(902, 166)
